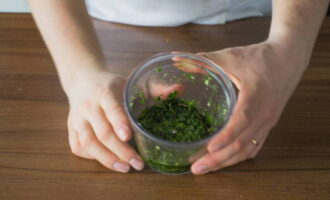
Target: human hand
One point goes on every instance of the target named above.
(266, 75)
(97, 123)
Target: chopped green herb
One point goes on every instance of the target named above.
(157, 98)
(173, 95)
(213, 86)
(165, 167)
(175, 119)
(207, 80)
(190, 76)
(142, 97)
(159, 68)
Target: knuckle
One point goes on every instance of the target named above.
(86, 141)
(217, 159)
(86, 109)
(77, 125)
(238, 146)
(127, 153)
(104, 135)
(112, 138)
(246, 117)
(111, 107)
(87, 105)
(115, 108)
(213, 161)
(105, 92)
(226, 138)
(116, 116)
(108, 161)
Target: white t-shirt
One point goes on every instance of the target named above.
(176, 12)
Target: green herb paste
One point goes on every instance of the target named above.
(175, 119)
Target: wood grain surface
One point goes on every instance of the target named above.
(35, 159)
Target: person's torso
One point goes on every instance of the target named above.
(176, 12)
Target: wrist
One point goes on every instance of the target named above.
(293, 48)
(71, 78)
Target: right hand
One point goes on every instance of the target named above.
(97, 123)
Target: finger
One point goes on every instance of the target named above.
(248, 150)
(116, 115)
(191, 62)
(224, 60)
(75, 145)
(260, 144)
(241, 149)
(94, 148)
(164, 90)
(241, 119)
(239, 157)
(187, 65)
(212, 160)
(192, 65)
(109, 139)
(249, 154)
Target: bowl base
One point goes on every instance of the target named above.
(168, 169)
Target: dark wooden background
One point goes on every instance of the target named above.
(36, 162)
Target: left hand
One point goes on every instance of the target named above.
(266, 75)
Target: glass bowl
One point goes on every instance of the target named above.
(194, 78)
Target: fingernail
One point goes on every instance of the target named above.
(136, 163)
(202, 169)
(121, 167)
(122, 133)
(175, 58)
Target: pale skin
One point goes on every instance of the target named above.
(265, 73)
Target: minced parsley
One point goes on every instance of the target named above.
(175, 119)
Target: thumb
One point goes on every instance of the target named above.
(226, 61)
(163, 90)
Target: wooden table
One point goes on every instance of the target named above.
(35, 159)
